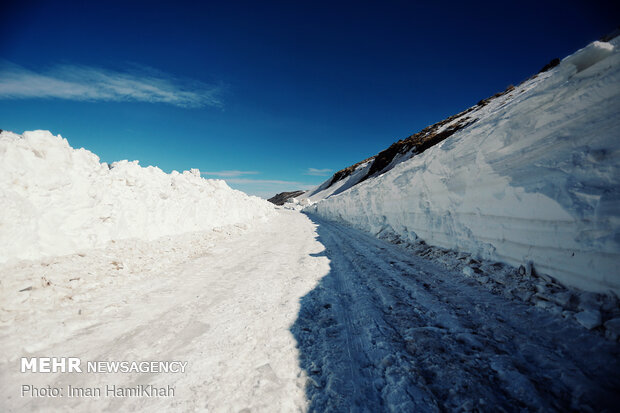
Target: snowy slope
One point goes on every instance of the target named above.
(535, 178)
(56, 200)
(402, 150)
(336, 186)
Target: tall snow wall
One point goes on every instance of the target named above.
(536, 178)
(57, 200)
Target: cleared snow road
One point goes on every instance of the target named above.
(287, 315)
(221, 301)
(386, 330)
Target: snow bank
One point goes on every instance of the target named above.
(56, 200)
(535, 179)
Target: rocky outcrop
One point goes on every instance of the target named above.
(282, 197)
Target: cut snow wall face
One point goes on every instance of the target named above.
(537, 178)
(57, 200)
(589, 56)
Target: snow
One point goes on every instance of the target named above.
(388, 330)
(222, 301)
(534, 180)
(58, 200)
(325, 190)
(590, 55)
(612, 329)
(294, 314)
(275, 310)
(589, 319)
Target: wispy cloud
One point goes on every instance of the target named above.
(297, 185)
(228, 174)
(317, 172)
(85, 83)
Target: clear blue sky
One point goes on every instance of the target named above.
(276, 93)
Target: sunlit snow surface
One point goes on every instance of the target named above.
(535, 178)
(57, 200)
(223, 300)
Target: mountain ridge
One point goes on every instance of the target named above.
(403, 149)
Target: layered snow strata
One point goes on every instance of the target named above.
(535, 179)
(57, 200)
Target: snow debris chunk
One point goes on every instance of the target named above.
(589, 319)
(612, 328)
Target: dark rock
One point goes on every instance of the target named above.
(611, 36)
(282, 197)
(553, 63)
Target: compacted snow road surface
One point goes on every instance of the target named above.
(387, 330)
(221, 301)
(291, 314)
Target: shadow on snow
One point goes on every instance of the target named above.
(378, 333)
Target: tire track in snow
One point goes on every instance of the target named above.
(424, 338)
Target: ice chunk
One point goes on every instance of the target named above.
(612, 328)
(589, 319)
